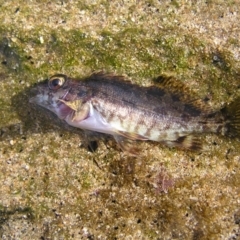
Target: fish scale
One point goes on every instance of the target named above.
(166, 112)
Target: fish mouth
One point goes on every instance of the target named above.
(37, 94)
(37, 90)
(40, 94)
(33, 95)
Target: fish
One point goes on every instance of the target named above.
(167, 112)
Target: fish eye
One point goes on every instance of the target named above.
(55, 82)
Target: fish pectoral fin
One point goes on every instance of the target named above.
(80, 110)
(131, 136)
(75, 105)
(127, 145)
(81, 114)
(189, 142)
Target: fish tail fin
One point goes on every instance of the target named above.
(231, 114)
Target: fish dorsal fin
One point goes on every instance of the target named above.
(101, 75)
(181, 92)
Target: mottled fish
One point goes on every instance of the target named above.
(166, 112)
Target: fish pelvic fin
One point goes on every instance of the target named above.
(131, 136)
(231, 114)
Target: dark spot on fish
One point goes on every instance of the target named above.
(191, 110)
(175, 98)
(81, 93)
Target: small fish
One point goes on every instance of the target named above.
(166, 112)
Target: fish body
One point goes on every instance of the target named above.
(166, 112)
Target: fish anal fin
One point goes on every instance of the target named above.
(131, 136)
(189, 142)
(181, 93)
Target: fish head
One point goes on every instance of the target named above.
(53, 93)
